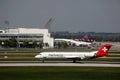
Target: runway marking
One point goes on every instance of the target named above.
(61, 64)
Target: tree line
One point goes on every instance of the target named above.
(25, 44)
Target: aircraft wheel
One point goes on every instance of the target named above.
(42, 60)
(74, 60)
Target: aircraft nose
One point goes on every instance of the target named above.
(37, 56)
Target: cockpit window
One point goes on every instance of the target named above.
(40, 54)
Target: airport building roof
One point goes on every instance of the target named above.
(26, 31)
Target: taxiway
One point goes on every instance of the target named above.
(86, 64)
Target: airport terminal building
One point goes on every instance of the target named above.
(27, 34)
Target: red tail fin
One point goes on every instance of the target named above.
(103, 51)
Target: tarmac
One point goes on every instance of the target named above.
(83, 64)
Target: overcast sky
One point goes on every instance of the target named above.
(68, 15)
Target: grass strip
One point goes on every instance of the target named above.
(59, 73)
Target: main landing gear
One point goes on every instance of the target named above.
(74, 60)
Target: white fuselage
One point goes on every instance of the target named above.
(77, 43)
(66, 55)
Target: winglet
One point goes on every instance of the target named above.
(103, 51)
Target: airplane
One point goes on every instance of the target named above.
(77, 43)
(103, 51)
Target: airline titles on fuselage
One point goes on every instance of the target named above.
(56, 55)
